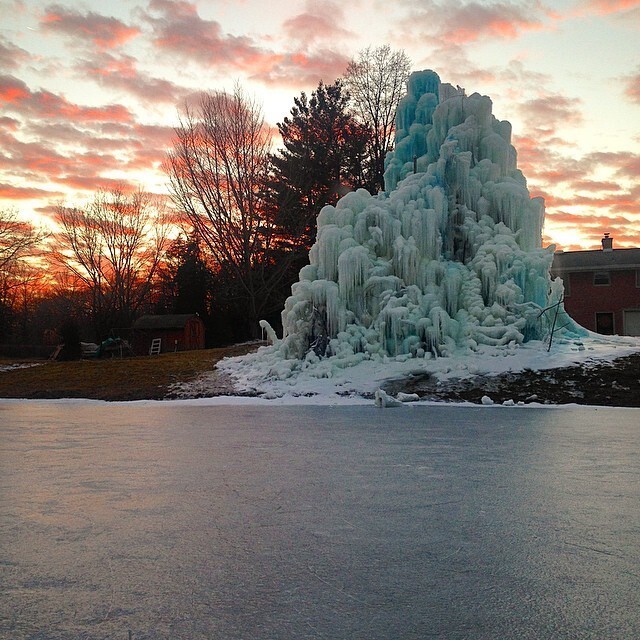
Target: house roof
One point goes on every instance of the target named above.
(612, 260)
(169, 321)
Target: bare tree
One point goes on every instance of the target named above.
(217, 170)
(113, 247)
(376, 80)
(19, 241)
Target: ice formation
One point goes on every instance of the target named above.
(448, 258)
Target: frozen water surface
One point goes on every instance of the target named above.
(181, 521)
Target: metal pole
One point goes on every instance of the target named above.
(553, 326)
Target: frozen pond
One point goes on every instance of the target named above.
(181, 521)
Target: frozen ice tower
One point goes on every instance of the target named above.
(448, 258)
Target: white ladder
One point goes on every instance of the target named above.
(154, 349)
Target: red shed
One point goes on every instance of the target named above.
(177, 332)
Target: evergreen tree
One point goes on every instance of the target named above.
(322, 158)
(192, 278)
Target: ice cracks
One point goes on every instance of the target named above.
(448, 258)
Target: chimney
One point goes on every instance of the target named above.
(607, 243)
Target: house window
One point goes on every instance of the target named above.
(601, 278)
(604, 323)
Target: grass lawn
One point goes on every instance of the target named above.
(138, 378)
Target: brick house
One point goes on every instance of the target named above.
(602, 287)
(177, 332)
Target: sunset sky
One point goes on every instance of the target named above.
(89, 91)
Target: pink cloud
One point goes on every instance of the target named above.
(93, 183)
(551, 112)
(470, 22)
(13, 91)
(595, 185)
(549, 167)
(103, 146)
(38, 160)
(517, 74)
(104, 32)
(320, 20)
(592, 226)
(148, 149)
(174, 8)
(152, 137)
(543, 163)
(305, 69)
(40, 164)
(66, 133)
(608, 201)
(620, 203)
(606, 7)
(180, 30)
(120, 73)
(632, 87)
(18, 98)
(51, 105)
(625, 163)
(9, 124)
(458, 22)
(64, 155)
(581, 220)
(12, 56)
(540, 148)
(11, 192)
(453, 64)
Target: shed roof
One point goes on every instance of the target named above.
(168, 321)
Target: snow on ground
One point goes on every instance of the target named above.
(259, 379)
(19, 365)
(265, 377)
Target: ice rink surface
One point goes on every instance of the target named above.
(254, 522)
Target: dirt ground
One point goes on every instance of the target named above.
(615, 383)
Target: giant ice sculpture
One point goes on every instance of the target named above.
(450, 257)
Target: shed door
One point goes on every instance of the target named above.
(632, 323)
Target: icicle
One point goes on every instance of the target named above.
(450, 257)
(329, 239)
(353, 268)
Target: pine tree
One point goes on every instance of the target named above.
(188, 277)
(322, 158)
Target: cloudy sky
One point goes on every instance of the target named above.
(89, 91)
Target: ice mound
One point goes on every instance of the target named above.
(448, 258)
